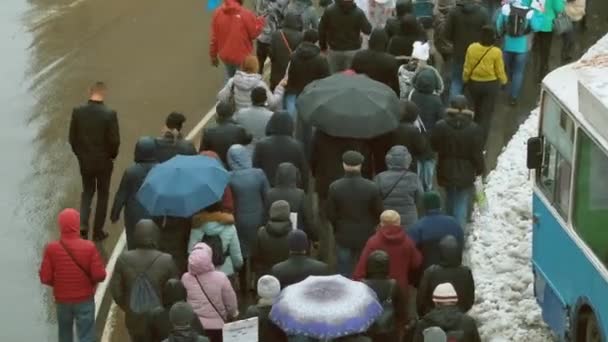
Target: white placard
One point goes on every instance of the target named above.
(293, 217)
(245, 330)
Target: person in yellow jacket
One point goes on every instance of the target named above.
(483, 74)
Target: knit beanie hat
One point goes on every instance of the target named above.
(431, 200)
(181, 315)
(421, 51)
(298, 241)
(268, 287)
(445, 294)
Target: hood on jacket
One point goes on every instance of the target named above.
(246, 82)
(146, 234)
(426, 81)
(238, 157)
(144, 150)
(279, 224)
(409, 111)
(69, 223)
(181, 316)
(232, 7)
(307, 51)
(346, 5)
(398, 158)
(409, 25)
(293, 21)
(286, 176)
(378, 40)
(459, 119)
(280, 123)
(173, 292)
(199, 261)
(377, 265)
(219, 217)
(445, 317)
(392, 234)
(450, 253)
(403, 7)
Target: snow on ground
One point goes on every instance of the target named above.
(499, 250)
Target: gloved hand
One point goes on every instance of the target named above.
(506, 10)
(530, 14)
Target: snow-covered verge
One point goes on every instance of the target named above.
(499, 250)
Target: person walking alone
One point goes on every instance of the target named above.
(72, 267)
(95, 138)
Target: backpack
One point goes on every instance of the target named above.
(516, 24)
(385, 323)
(215, 243)
(143, 296)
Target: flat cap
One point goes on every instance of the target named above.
(352, 158)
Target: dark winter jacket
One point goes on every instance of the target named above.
(376, 63)
(400, 188)
(326, 160)
(463, 26)
(249, 187)
(458, 142)
(408, 135)
(94, 136)
(354, 205)
(280, 53)
(297, 268)
(393, 25)
(449, 270)
(185, 335)
(428, 232)
(448, 318)
(172, 144)
(158, 324)
(430, 104)
(286, 189)
(219, 138)
(410, 31)
(307, 65)
(131, 181)
(174, 237)
(271, 244)
(267, 331)
(160, 268)
(341, 26)
(280, 146)
(440, 17)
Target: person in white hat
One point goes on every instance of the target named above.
(269, 289)
(447, 317)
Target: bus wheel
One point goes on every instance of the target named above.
(590, 331)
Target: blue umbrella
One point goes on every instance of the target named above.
(182, 186)
(326, 307)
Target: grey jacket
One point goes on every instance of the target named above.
(406, 186)
(254, 119)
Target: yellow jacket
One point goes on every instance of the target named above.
(490, 68)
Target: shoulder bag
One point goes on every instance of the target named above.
(86, 273)
(562, 24)
(392, 188)
(209, 300)
(286, 42)
(479, 61)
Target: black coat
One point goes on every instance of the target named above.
(388, 291)
(286, 189)
(463, 27)
(280, 53)
(219, 138)
(272, 244)
(168, 146)
(448, 318)
(174, 237)
(307, 65)
(402, 40)
(354, 205)
(132, 179)
(341, 26)
(326, 160)
(417, 143)
(278, 147)
(297, 268)
(458, 142)
(449, 270)
(379, 66)
(130, 264)
(267, 331)
(94, 136)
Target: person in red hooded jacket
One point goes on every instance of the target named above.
(73, 268)
(405, 259)
(233, 29)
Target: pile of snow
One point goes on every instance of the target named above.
(500, 249)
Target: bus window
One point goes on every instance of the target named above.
(557, 126)
(591, 197)
(554, 178)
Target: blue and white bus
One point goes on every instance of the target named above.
(570, 199)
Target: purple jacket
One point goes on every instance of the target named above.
(216, 285)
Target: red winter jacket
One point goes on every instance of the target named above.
(233, 30)
(70, 284)
(403, 255)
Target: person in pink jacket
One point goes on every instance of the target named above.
(209, 292)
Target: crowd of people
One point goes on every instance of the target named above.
(389, 211)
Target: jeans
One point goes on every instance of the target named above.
(95, 180)
(83, 314)
(457, 203)
(515, 63)
(456, 81)
(483, 98)
(346, 260)
(262, 51)
(426, 173)
(544, 40)
(230, 71)
(340, 60)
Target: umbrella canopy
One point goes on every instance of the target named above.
(326, 307)
(182, 186)
(349, 106)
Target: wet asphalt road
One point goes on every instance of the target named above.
(153, 55)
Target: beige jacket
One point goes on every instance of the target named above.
(575, 10)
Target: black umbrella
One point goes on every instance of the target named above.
(349, 106)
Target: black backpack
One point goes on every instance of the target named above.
(143, 296)
(517, 23)
(385, 323)
(215, 243)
